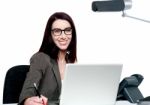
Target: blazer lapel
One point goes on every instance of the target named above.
(57, 74)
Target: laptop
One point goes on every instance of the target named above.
(90, 84)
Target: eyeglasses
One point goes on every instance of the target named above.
(58, 31)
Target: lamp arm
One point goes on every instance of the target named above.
(125, 15)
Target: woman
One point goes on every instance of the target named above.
(47, 66)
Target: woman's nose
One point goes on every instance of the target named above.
(63, 35)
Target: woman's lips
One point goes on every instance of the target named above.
(62, 42)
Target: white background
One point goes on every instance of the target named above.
(102, 37)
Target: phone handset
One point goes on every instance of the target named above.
(128, 88)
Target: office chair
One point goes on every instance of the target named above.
(13, 83)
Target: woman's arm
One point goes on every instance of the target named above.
(38, 64)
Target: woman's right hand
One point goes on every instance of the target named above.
(35, 101)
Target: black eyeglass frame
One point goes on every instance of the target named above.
(65, 31)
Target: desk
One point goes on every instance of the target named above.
(124, 103)
(117, 103)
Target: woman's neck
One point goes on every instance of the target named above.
(61, 63)
(61, 55)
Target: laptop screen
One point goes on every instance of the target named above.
(90, 84)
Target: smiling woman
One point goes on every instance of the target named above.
(47, 66)
(62, 40)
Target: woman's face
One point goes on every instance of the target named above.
(61, 33)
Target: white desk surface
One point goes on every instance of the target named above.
(124, 103)
(117, 103)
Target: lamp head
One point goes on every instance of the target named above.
(111, 6)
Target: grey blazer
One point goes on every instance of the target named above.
(45, 73)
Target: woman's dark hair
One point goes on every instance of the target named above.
(48, 46)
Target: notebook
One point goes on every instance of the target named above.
(90, 84)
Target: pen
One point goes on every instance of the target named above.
(37, 92)
(36, 89)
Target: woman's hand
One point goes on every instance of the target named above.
(36, 101)
(45, 100)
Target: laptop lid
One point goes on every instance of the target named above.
(90, 84)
